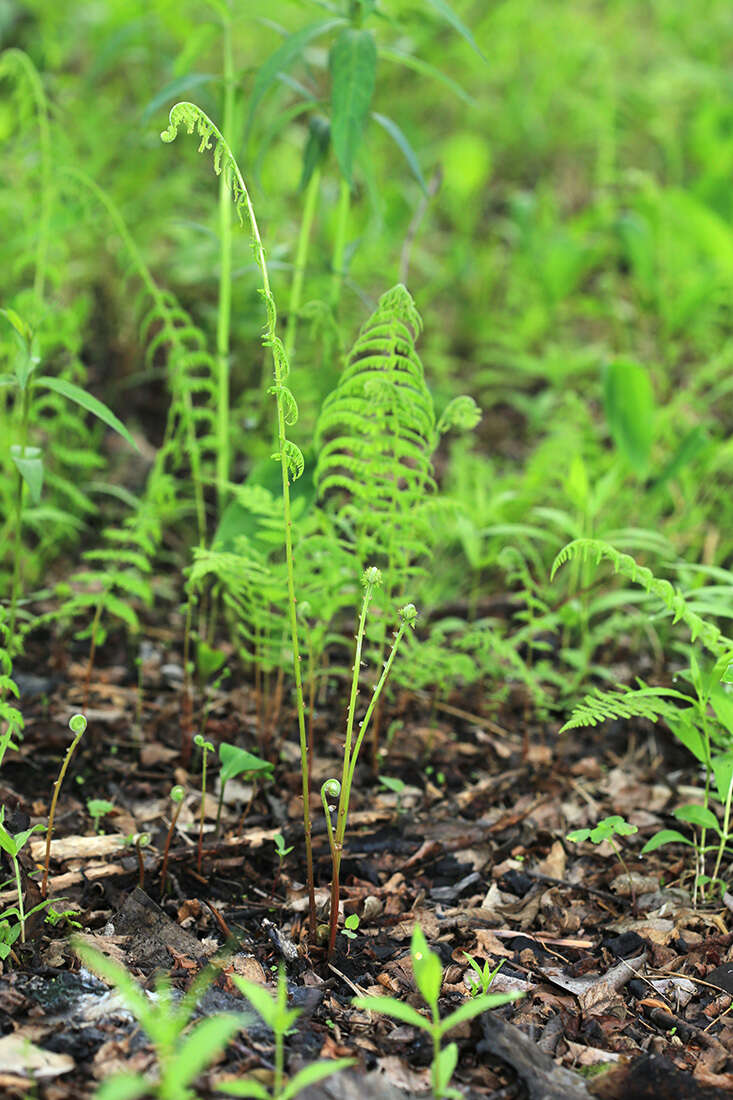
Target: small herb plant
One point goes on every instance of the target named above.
(485, 975)
(97, 808)
(236, 762)
(280, 1019)
(428, 972)
(606, 830)
(182, 1051)
(11, 845)
(177, 794)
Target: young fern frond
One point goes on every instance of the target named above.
(597, 550)
(624, 702)
(289, 454)
(375, 438)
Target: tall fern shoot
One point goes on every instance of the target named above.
(289, 455)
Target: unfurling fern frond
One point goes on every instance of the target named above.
(375, 437)
(711, 637)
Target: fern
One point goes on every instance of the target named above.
(624, 702)
(375, 437)
(711, 637)
(11, 719)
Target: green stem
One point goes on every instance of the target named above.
(19, 888)
(350, 759)
(725, 834)
(52, 811)
(339, 244)
(301, 257)
(225, 283)
(17, 542)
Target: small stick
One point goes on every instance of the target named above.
(176, 795)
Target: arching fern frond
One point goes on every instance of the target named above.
(597, 550)
(648, 703)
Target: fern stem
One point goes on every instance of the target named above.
(301, 257)
(192, 116)
(339, 244)
(223, 325)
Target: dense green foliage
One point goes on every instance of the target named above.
(552, 183)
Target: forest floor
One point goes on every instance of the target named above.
(621, 973)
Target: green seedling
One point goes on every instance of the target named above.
(282, 852)
(11, 845)
(176, 796)
(350, 926)
(77, 725)
(236, 762)
(182, 1051)
(332, 788)
(485, 975)
(280, 1019)
(428, 974)
(206, 747)
(97, 808)
(606, 830)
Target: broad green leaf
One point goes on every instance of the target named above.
(88, 402)
(629, 403)
(236, 761)
(29, 464)
(390, 1006)
(450, 16)
(578, 835)
(7, 842)
(722, 703)
(312, 1074)
(697, 815)
(723, 772)
(426, 967)
(476, 1006)
(353, 64)
(403, 145)
(20, 326)
(201, 1046)
(281, 60)
(665, 836)
(126, 1086)
(689, 735)
(446, 1064)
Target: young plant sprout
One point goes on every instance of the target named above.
(176, 796)
(606, 830)
(282, 852)
(12, 846)
(485, 975)
(332, 788)
(428, 971)
(235, 762)
(97, 808)
(205, 747)
(77, 725)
